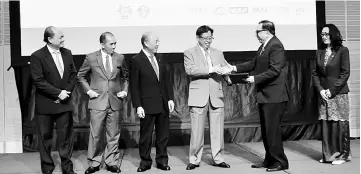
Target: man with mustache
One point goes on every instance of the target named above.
(54, 76)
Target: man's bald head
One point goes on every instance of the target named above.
(150, 42)
(54, 37)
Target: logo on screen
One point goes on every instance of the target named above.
(238, 10)
(125, 11)
(143, 11)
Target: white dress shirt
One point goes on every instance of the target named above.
(53, 54)
(208, 59)
(104, 55)
(150, 59)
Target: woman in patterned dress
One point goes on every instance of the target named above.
(330, 76)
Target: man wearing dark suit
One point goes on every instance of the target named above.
(54, 76)
(152, 96)
(108, 86)
(268, 70)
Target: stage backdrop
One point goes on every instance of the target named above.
(234, 25)
(241, 110)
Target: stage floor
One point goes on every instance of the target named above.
(303, 157)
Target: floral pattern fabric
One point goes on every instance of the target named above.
(335, 109)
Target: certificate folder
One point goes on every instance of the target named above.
(238, 77)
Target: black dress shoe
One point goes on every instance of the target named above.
(191, 166)
(223, 165)
(260, 165)
(276, 168)
(143, 168)
(163, 167)
(48, 172)
(113, 169)
(92, 170)
(71, 171)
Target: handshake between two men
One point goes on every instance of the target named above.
(227, 70)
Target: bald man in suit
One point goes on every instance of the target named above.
(54, 76)
(107, 89)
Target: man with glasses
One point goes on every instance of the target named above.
(204, 65)
(268, 71)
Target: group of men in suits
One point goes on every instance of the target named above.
(54, 75)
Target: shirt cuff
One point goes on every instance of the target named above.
(88, 92)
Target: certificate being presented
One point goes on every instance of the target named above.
(238, 78)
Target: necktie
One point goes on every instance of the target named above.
(208, 58)
(261, 49)
(58, 64)
(152, 61)
(107, 66)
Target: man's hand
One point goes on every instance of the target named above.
(328, 93)
(228, 80)
(228, 69)
(63, 94)
(122, 94)
(171, 105)
(250, 79)
(324, 95)
(140, 112)
(217, 69)
(92, 94)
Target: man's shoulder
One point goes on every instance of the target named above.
(192, 49)
(276, 41)
(215, 50)
(65, 50)
(118, 55)
(93, 54)
(138, 55)
(40, 52)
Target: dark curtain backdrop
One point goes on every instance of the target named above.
(241, 111)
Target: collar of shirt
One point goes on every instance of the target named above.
(147, 54)
(265, 43)
(51, 50)
(204, 51)
(104, 55)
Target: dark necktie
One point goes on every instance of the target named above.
(262, 49)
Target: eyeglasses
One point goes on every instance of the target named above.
(324, 34)
(257, 31)
(206, 38)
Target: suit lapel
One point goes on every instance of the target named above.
(101, 65)
(114, 63)
(266, 46)
(201, 55)
(65, 61)
(321, 60)
(51, 63)
(149, 65)
(331, 57)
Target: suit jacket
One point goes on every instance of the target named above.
(49, 83)
(336, 73)
(145, 88)
(203, 86)
(270, 72)
(106, 87)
